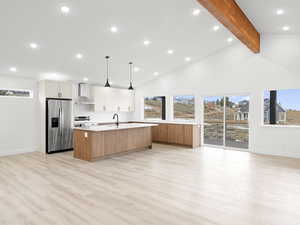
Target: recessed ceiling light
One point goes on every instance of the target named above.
(13, 69)
(85, 79)
(155, 73)
(113, 29)
(136, 69)
(170, 51)
(187, 59)
(33, 45)
(79, 56)
(279, 12)
(147, 42)
(65, 9)
(286, 28)
(216, 27)
(229, 40)
(196, 12)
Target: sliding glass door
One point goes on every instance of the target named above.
(226, 121)
(214, 121)
(236, 122)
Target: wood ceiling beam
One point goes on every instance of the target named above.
(231, 16)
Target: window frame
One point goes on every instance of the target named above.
(163, 108)
(263, 111)
(16, 89)
(173, 111)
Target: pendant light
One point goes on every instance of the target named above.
(107, 71)
(130, 79)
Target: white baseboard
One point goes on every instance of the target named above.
(289, 154)
(17, 151)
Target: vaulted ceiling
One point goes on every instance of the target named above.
(86, 29)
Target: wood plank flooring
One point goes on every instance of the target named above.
(164, 186)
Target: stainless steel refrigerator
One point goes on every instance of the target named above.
(59, 136)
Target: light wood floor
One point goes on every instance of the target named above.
(163, 186)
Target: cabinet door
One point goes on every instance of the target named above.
(155, 133)
(65, 88)
(114, 100)
(52, 89)
(82, 145)
(100, 98)
(162, 133)
(176, 134)
(110, 142)
(131, 101)
(97, 144)
(188, 135)
(123, 101)
(122, 140)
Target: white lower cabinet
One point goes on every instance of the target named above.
(113, 100)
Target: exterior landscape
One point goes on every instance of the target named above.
(237, 114)
(184, 107)
(287, 108)
(153, 108)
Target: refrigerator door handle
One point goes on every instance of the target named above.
(60, 120)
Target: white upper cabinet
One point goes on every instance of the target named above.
(56, 89)
(66, 89)
(113, 100)
(126, 101)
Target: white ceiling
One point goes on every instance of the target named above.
(168, 24)
(263, 15)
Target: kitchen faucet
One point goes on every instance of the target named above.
(116, 115)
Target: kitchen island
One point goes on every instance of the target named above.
(97, 142)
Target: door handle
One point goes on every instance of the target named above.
(60, 120)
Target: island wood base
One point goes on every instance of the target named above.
(95, 145)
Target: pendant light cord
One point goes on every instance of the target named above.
(130, 71)
(107, 68)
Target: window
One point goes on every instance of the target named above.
(282, 107)
(155, 108)
(184, 107)
(15, 93)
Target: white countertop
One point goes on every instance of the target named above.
(114, 127)
(94, 122)
(170, 122)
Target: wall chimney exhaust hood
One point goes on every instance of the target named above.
(84, 96)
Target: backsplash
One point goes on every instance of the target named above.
(87, 110)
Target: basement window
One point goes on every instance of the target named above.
(155, 107)
(282, 107)
(15, 93)
(184, 107)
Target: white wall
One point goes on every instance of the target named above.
(18, 118)
(236, 70)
